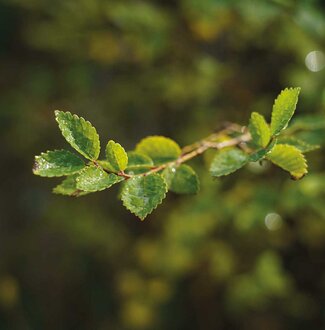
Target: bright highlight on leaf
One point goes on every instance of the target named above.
(181, 179)
(290, 159)
(142, 194)
(57, 163)
(93, 179)
(259, 129)
(227, 161)
(283, 109)
(116, 156)
(81, 135)
(159, 148)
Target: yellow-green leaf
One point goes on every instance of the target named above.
(116, 156)
(283, 109)
(259, 129)
(159, 148)
(290, 159)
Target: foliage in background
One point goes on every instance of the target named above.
(247, 252)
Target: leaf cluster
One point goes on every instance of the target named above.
(156, 165)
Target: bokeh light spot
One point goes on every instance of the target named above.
(315, 61)
(273, 221)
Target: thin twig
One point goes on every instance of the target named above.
(198, 148)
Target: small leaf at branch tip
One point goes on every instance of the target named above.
(116, 156)
(283, 109)
(259, 129)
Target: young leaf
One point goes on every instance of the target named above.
(142, 194)
(116, 156)
(81, 135)
(259, 129)
(159, 148)
(283, 109)
(68, 187)
(227, 161)
(181, 179)
(299, 144)
(138, 163)
(290, 159)
(57, 163)
(94, 178)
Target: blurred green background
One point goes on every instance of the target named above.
(248, 252)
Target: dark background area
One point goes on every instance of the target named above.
(247, 252)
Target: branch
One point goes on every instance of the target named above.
(203, 146)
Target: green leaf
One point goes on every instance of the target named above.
(116, 156)
(227, 161)
(299, 144)
(312, 137)
(159, 148)
(138, 163)
(57, 163)
(138, 159)
(105, 165)
(283, 109)
(261, 153)
(68, 187)
(290, 159)
(81, 135)
(181, 179)
(308, 122)
(94, 178)
(142, 194)
(259, 129)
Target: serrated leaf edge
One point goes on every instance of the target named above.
(232, 171)
(163, 197)
(56, 112)
(116, 158)
(303, 157)
(289, 119)
(54, 176)
(89, 191)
